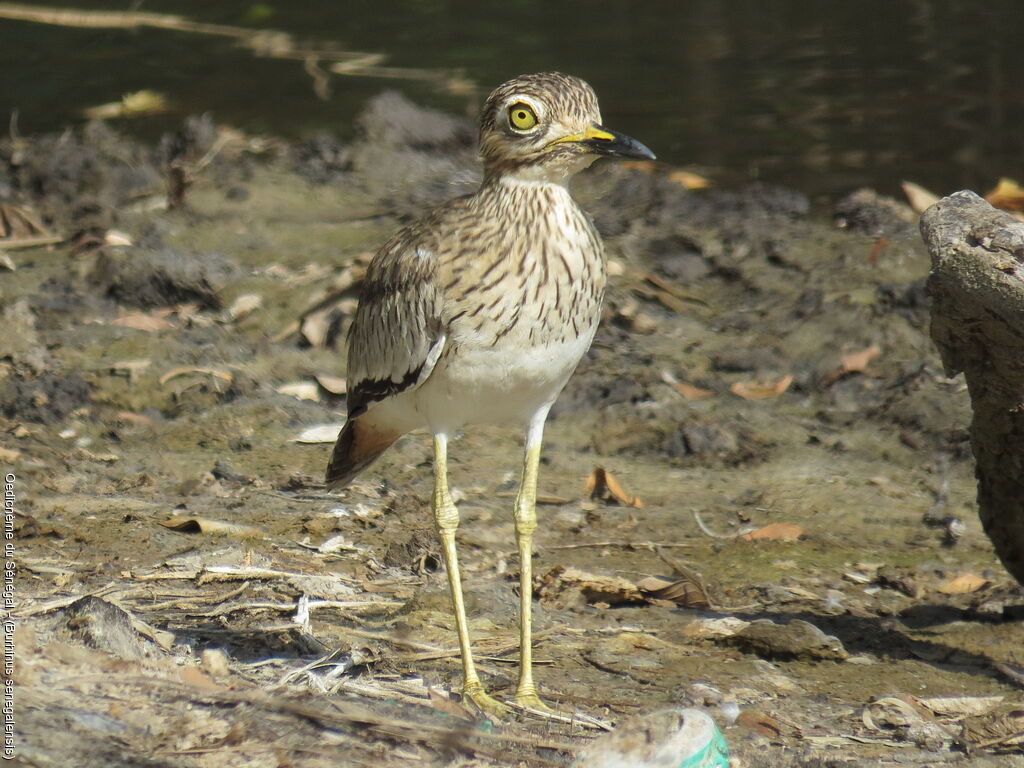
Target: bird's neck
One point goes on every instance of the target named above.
(551, 172)
(528, 176)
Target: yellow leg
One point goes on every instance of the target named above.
(446, 516)
(525, 525)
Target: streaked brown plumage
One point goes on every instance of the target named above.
(480, 312)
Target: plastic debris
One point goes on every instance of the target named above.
(670, 738)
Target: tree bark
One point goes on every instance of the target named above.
(977, 289)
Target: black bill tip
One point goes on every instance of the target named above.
(615, 144)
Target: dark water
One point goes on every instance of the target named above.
(821, 96)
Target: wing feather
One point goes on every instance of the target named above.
(397, 335)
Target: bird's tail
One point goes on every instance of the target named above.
(359, 444)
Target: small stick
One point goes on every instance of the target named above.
(707, 531)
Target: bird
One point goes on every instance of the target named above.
(479, 312)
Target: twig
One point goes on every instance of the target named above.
(290, 607)
(1005, 738)
(30, 242)
(184, 602)
(393, 640)
(707, 531)
(63, 602)
(340, 712)
(234, 572)
(1013, 672)
(386, 694)
(321, 83)
(650, 545)
(336, 664)
(268, 43)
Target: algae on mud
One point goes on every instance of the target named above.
(106, 452)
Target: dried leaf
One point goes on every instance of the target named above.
(208, 526)
(1001, 730)
(644, 166)
(596, 588)
(21, 223)
(320, 433)
(857, 362)
(890, 712)
(198, 679)
(244, 305)
(142, 102)
(303, 390)
(664, 298)
(116, 238)
(108, 458)
(601, 484)
(551, 499)
(688, 179)
(135, 418)
(143, 322)
(666, 286)
(336, 543)
(218, 374)
(442, 703)
(688, 391)
(963, 584)
(726, 626)
(315, 328)
(776, 532)
(919, 198)
(686, 592)
(759, 722)
(161, 637)
(334, 385)
(959, 706)
(1008, 195)
(8, 455)
(761, 390)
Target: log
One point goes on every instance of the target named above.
(977, 289)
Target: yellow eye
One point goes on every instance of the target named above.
(521, 116)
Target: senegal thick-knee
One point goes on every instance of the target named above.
(480, 311)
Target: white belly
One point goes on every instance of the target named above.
(487, 386)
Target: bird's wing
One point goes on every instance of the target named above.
(397, 335)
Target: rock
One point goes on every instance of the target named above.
(798, 640)
(160, 276)
(870, 213)
(97, 624)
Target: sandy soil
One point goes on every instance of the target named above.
(757, 366)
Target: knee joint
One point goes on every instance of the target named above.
(446, 516)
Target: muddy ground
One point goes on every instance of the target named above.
(757, 365)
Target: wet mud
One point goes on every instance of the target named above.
(783, 447)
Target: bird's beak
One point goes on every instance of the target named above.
(601, 141)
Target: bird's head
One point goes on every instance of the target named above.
(546, 127)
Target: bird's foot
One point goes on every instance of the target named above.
(528, 699)
(485, 703)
